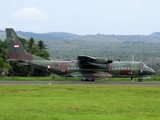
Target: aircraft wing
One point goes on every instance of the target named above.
(90, 62)
(84, 61)
(85, 58)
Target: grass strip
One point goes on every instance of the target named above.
(77, 102)
(59, 78)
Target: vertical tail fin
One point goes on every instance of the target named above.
(15, 48)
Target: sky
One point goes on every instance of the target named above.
(82, 17)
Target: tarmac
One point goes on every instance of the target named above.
(81, 83)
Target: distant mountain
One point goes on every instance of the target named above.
(156, 34)
(47, 36)
(42, 36)
(154, 37)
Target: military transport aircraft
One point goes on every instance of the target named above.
(86, 68)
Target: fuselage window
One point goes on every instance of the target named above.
(73, 68)
(120, 68)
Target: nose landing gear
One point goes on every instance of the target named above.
(140, 80)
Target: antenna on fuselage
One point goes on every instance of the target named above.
(132, 57)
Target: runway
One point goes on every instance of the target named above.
(80, 83)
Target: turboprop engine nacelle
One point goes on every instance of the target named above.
(102, 61)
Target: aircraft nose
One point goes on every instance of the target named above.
(152, 71)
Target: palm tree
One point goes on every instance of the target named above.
(41, 45)
(30, 45)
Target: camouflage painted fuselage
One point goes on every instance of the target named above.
(115, 69)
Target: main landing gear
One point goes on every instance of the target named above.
(139, 79)
(90, 80)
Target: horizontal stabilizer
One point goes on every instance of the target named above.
(19, 61)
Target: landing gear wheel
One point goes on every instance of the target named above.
(83, 80)
(140, 80)
(91, 80)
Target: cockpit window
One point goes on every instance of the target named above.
(145, 66)
(142, 66)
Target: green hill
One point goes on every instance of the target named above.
(67, 46)
(42, 36)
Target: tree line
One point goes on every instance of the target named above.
(146, 52)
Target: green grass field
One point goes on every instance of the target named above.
(59, 78)
(79, 102)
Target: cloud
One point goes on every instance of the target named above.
(29, 14)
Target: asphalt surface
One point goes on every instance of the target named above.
(81, 83)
